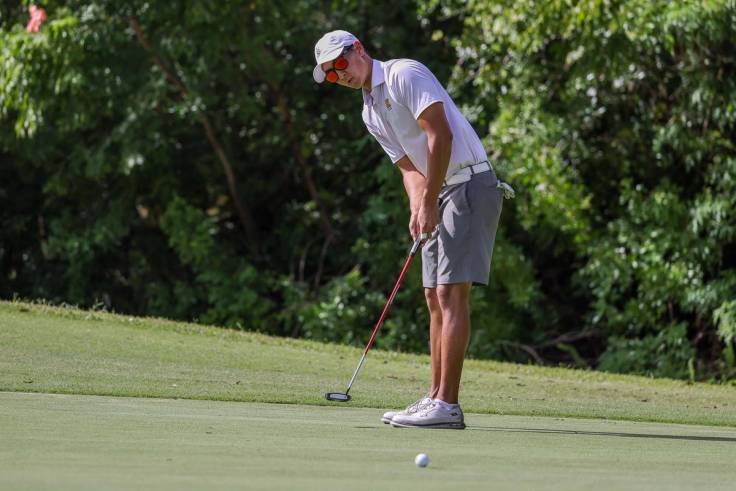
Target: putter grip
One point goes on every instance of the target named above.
(421, 238)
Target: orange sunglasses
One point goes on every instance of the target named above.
(340, 63)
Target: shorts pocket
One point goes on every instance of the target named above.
(460, 198)
(484, 191)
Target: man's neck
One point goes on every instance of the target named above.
(368, 85)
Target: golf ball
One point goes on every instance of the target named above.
(421, 460)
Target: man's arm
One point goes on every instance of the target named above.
(439, 140)
(415, 185)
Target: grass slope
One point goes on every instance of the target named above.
(59, 350)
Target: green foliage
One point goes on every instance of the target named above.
(725, 318)
(342, 303)
(178, 160)
(105, 130)
(231, 289)
(665, 354)
(616, 120)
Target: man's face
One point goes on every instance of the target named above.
(356, 71)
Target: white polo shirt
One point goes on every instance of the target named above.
(400, 91)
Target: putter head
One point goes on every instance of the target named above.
(337, 396)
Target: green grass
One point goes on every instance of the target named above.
(59, 350)
(88, 442)
(61, 428)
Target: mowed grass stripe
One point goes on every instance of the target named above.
(60, 350)
(88, 442)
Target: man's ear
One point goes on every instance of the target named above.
(358, 46)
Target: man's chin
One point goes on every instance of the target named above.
(352, 84)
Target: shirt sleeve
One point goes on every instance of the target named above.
(414, 86)
(388, 142)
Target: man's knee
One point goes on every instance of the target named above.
(453, 296)
(430, 294)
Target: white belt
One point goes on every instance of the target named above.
(465, 173)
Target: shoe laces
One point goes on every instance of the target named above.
(429, 407)
(418, 406)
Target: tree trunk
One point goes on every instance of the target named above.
(244, 214)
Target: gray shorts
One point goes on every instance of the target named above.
(462, 250)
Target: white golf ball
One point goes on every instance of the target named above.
(421, 460)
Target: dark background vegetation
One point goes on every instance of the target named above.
(176, 159)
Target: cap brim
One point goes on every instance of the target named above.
(318, 74)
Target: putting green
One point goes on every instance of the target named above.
(92, 442)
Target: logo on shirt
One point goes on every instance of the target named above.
(388, 104)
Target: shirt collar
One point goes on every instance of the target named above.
(377, 78)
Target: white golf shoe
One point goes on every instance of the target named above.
(436, 415)
(410, 409)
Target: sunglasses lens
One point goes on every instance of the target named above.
(341, 63)
(332, 77)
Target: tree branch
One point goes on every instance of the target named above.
(246, 218)
(325, 223)
(569, 337)
(561, 343)
(525, 348)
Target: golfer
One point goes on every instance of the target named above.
(451, 187)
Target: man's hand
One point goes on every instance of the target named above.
(414, 225)
(428, 216)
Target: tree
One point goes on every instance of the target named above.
(616, 119)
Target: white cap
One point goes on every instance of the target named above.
(328, 48)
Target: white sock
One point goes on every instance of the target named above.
(445, 405)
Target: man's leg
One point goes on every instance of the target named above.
(435, 339)
(449, 335)
(454, 300)
(435, 350)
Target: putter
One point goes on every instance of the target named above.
(345, 396)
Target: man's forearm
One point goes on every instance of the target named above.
(438, 160)
(415, 185)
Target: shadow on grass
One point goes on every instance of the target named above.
(605, 433)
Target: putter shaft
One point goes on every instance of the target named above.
(417, 244)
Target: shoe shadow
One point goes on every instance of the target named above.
(604, 433)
